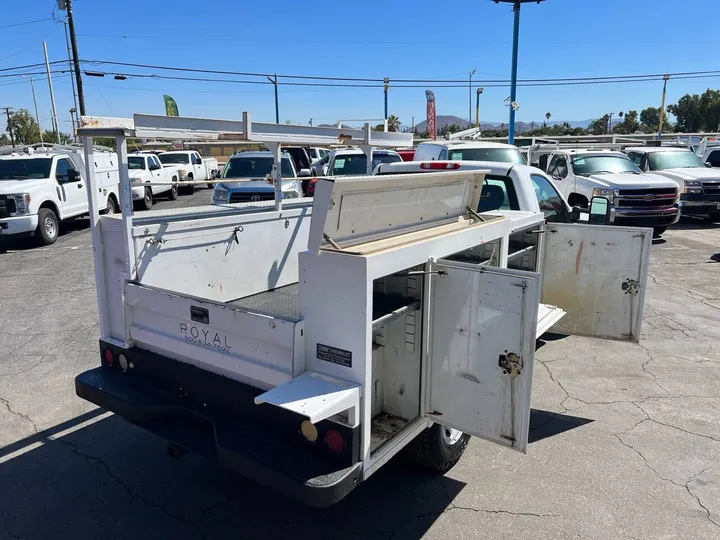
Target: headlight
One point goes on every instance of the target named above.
(220, 195)
(182, 174)
(22, 203)
(604, 192)
(693, 186)
(291, 195)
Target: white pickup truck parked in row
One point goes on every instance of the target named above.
(699, 183)
(637, 198)
(41, 188)
(196, 167)
(145, 168)
(305, 343)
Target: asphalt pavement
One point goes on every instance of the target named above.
(625, 437)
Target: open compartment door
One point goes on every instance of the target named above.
(481, 345)
(598, 275)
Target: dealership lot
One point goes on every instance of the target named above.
(625, 437)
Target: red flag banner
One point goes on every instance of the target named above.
(430, 117)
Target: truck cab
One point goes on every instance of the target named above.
(193, 166)
(41, 188)
(304, 345)
(145, 168)
(637, 198)
(699, 184)
(465, 150)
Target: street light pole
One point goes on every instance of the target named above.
(277, 106)
(513, 78)
(52, 95)
(470, 97)
(477, 108)
(37, 115)
(386, 83)
(662, 107)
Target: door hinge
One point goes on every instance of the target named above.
(510, 363)
(631, 286)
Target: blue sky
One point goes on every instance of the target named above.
(372, 38)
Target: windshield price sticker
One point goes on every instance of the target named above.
(339, 163)
(456, 156)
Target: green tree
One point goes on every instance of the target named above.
(599, 126)
(4, 140)
(50, 137)
(24, 127)
(547, 117)
(688, 113)
(710, 109)
(629, 123)
(393, 123)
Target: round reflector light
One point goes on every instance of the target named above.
(334, 441)
(123, 361)
(309, 431)
(108, 356)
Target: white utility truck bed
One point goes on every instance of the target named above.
(305, 344)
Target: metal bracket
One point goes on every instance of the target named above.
(510, 363)
(474, 214)
(540, 231)
(152, 241)
(331, 242)
(631, 286)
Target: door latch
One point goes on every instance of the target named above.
(510, 363)
(631, 286)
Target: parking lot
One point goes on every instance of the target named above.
(625, 437)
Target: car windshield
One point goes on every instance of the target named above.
(587, 165)
(501, 155)
(256, 167)
(23, 169)
(674, 160)
(136, 162)
(170, 159)
(356, 164)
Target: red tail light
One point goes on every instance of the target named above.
(109, 357)
(440, 165)
(334, 441)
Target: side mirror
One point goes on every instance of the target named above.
(153, 167)
(72, 176)
(708, 164)
(600, 211)
(304, 172)
(575, 214)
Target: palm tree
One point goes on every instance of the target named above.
(393, 123)
(547, 117)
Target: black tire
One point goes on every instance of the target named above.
(146, 202)
(173, 193)
(211, 186)
(715, 217)
(48, 227)
(431, 450)
(658, 231)
(189, 190)
(111, 207)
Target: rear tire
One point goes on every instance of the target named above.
(111, 207)
(211, 186)
(715, 217)
(189, 190)
(173, 193)
(438, 447)
(658, 231)
(48, 227)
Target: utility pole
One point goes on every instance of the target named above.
(386, 83)
(277, 106)
(662, 107)
(76, 59)
(477, 108)
(470, 97)
(72, 71)
(52, 95)
(12, 137)
(37, 115)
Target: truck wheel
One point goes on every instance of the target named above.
(147, 201)
(715, 217)
(48, 228)
(657, 231)
(211, 186)
(173, 193)
(438, 447)
(111, 207)
(189, 190)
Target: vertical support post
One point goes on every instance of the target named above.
(277, 104)
(662, 107)
(126, 205)
(513, 77)
(76, 58)
(367, 149)
(72, 77)
(52, 95)
(477, 108)
(95, 233)
(386, 82)
(274, 147)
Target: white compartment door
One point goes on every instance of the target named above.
(598, 275)
(481, 344)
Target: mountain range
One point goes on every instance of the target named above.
(447, 120)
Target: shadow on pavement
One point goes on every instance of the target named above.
(68, 229)
(544, 424)
(112, 480)
(689, 223)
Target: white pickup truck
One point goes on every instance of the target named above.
(305, 344)
(197, 168)
(637, 198)
(145, 168)
(41, 188)
(699, 183)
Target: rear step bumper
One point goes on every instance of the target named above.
(254, 447)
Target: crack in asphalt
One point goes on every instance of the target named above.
(552, 377)
(645, 369)
(102, 466)
(19, 414)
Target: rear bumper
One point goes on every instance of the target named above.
(647, 217)
(216, 417)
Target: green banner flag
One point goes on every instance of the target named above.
(171, 108)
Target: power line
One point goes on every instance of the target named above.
(26, 22)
